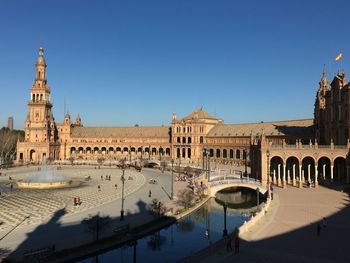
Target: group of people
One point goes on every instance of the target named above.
(77, 201)
(107, 178)
(183, 178)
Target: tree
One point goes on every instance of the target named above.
(8, 144)
(185, 197)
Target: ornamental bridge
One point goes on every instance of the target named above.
(219, 182)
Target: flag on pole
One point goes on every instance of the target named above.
(339, 57)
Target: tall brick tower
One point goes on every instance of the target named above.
(40, 140)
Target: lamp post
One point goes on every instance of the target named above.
(224, 232)
(172, 179)
(149, 152)
(123, 182)
(257, 197)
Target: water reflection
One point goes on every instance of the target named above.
(188, 235)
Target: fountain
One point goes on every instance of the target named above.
(46, 178)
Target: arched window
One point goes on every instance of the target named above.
(178, 153)
(189, 152)
(211, 153)
(231, 154)
(189, 140)
(218, 152)
(201, 140)
(224, 153)
(178, 140)
(238, 154)
(183, 152)
(183, 139)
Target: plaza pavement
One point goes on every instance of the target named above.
(63, 228)
(288, 232)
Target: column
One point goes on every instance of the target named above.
(332, 168)
(308, 174)
(288, 176)
(324, 171)
(278, 174)
(316, 175)
(273, 176)
(293, 175)
(300, 176)
(284, 175)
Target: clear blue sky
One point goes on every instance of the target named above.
(126, 62)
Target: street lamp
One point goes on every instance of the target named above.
(257, 197)
(123, 182)
(172, 179)
(224, 233)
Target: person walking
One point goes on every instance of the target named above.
(237, 243)
(116, 186)
(318, 229)
(271, 195)
(150, 193)
(99, 188)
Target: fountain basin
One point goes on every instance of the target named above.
(47, 185)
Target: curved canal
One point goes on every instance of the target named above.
(190, 234)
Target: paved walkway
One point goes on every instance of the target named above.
(65, 227)
(288, 233)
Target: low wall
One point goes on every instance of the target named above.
(254, 219)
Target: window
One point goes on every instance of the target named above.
(201, 140)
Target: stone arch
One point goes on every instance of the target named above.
(111, 150)
(211, 152)
(167, 151)
(139, 150)
(146, 150)
(292, 168)
(126, 149)
(32, 154)
(132, 149)
(232, 154)
(218, 153)
(154, 151)
(161, 151)
(339, 169)
(72, 150)
(276, 168)
(324, 168)
(88, 150)
(308, 168)
(118, 149)
(81, 150)
(238, 154)
(96, 150)
(104, 150)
